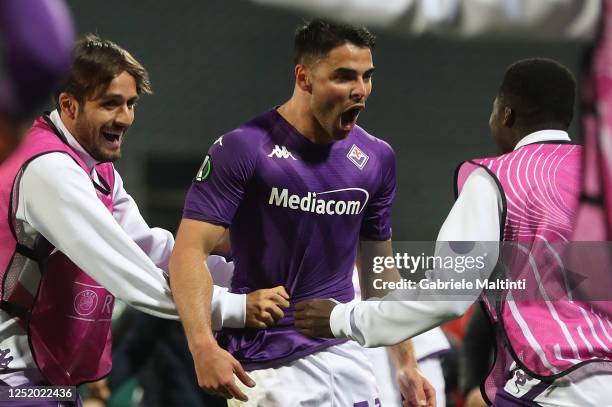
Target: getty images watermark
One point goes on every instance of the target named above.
(449, 269)
(462, 265)
(529, 271)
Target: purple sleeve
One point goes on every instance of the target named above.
(376, 224)
(38, 36)
(220, 184)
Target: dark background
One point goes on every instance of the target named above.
(214, 64)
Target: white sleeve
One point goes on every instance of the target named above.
(58, 200)
(542, 19)
(228, 309)
(157, 243)
(475, 216)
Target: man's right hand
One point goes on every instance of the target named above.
(215, 369)
(265, 307)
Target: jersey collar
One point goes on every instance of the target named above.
(541, 136)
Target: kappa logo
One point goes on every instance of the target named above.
(219, 141)
(281, 152)
(357, 157)
(205, 169)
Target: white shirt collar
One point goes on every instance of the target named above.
(543, 135)
(89, 161)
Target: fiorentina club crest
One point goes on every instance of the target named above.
(358, 157)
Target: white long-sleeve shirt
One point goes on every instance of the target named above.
(120, 251)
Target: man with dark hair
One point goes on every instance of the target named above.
(97, 63)
(73, 239)
(37, 37)
(301, 188)
(316, 39)
(527, 197)
(536, 94)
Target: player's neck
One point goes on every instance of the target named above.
(68, 122)
(299, 115)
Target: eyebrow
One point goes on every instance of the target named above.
(349, 71)
(116, 96)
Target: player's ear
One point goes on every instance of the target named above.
(68, 105)
(509, 116)
(302, 78)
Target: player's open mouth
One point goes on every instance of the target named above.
(113, 137)
(348, 119)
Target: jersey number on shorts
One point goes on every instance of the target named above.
(366, 404)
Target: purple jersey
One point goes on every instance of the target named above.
(296, 211)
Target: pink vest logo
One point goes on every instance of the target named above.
(85, 302)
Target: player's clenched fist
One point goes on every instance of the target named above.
(265, 307)
(312, 317)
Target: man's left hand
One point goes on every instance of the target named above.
(312, 318)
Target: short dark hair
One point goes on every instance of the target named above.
(96, 62)
(542, 91)
(318, 37)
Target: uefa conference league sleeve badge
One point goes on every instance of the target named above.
(205, 170)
